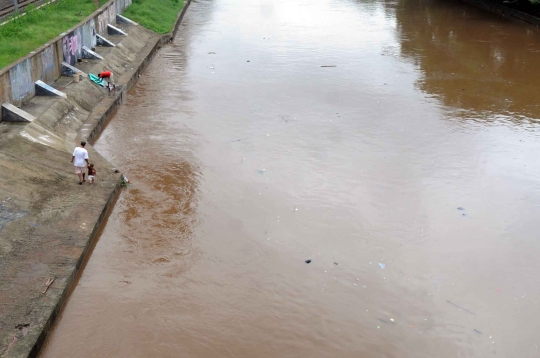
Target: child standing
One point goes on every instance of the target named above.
(91, 173)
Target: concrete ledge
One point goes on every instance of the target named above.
(124, 20)
(71, 279)
(112, 30)
(168, 37)
(92, 128)
(87, 53)
(68, 70)
(99, 116)
(10, 113)
(102, 41)
(43, 89)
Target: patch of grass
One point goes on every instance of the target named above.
(156, 15)
(38, 26)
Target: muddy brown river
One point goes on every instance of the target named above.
(392, 143)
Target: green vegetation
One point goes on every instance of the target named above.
(38, 26)
(26, 33)
(156, 15)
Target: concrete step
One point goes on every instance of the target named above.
(39, 105)
(11, 113)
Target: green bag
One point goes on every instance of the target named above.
(97, 80)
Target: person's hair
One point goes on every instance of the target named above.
(91, 164)
(83, 143)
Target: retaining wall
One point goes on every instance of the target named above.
(56, 243)
(17, 80)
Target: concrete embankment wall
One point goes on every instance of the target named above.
(17, 80)
(48, 222)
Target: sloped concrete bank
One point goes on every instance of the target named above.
(47, 221)
(45, 63)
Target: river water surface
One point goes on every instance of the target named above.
(408, 174)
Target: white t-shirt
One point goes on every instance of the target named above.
(80, 155)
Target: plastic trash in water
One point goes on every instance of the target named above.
(125, 181)
(382, 265)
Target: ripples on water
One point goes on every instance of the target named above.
(247, 158)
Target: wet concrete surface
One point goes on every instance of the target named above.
(47, 220)
(407, 174)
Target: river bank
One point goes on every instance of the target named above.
(526, 14)
(407, 174)
(47, 221)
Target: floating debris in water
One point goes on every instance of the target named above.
(308, 261)
(460, 208)
(125, 181)
(382, 266)
(238, 140)
(461, 308)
